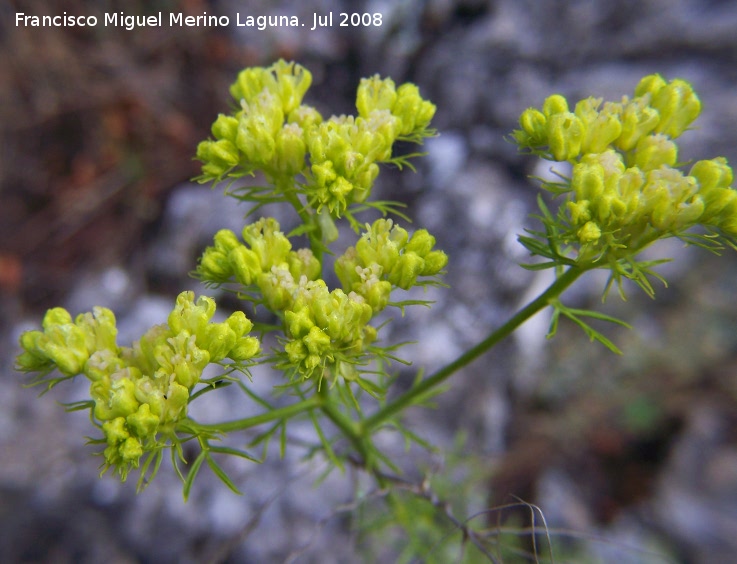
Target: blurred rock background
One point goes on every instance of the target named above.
(631, 459)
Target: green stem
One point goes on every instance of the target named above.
(256, 420)
(416, 393)
(286, 187)
(347, 427)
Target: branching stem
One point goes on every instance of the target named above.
(415, 395)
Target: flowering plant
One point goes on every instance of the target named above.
(626, 190)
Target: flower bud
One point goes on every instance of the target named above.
(654, 151)
(143, 423)
(292, 82)
(326, 308)
(296, 351)
(587, 181)
(715, 179)
(435, 262)
(245, 264)
(303, 263)
(122, 400)
(363, 182)
(245, 348)
(149, 394)
(175, 404)
(191, 318)
(131, 451)
(218, 339)
(225, 127)
(56, 316)
(398, 235)
(214, 266)
(224, 153)
(101, 364)
(663, 213)
(345, 268)
(258, 127)
(413, 112)
(218, 157)
(638, 120)
(579, 211)
(377, 294)
(239, 323)
(711, 174)
(727, 219)
(565, 133)
(555, 104)
(358, 313)
(688, 213)
(290, 150)
(406, 270)
(339, 190)
(298, 323)
(534, 128)
(32, 359)
(601, 128)
(268, 242)
(115, 431)
(65, 345)
(306, 117)
(589, 233)
(631, 183)
(317, 342)
(225, 240)
(324, 173)
(277, 286)
(421, 242)
(375, 93)
(99, 329)
(650, 84)
(719, 204)
(249, 84)
(678, 107)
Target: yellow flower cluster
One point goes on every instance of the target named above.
(266, 133)
(138, 392)
(337, 158)
(265, 259)
(626, 188)
(322, 326)
(387, 256)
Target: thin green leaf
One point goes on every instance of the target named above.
(176, 457)
(78, 405)
(144, 478)
(220, 473)
(283, 439)
(192, 474)
(554, 319)
(599, 315)
(592, 333)
(370, 387)
(538, 265)
(325, 443)
(234, 452)
(411, 437)
(209, 386)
